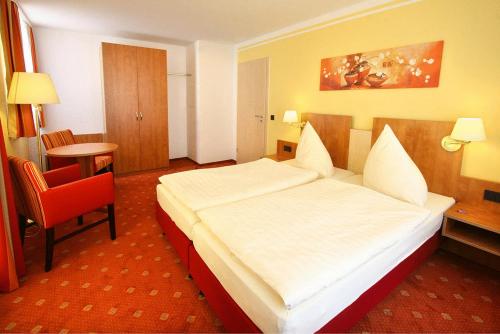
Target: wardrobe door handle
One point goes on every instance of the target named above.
(136, 116)
(140, 113)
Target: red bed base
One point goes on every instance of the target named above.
(177, 238)
(235, 319)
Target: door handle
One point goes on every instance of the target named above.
(140, 113)
(136, 116)
(259, 116)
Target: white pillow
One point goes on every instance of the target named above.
(389, 170)
(312, 154)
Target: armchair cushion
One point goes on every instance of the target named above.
(62, 175)
(70, 200)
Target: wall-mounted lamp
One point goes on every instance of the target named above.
(292, 118)
(465, 131)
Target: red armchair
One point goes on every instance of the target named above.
(57, 196)
(102, 162)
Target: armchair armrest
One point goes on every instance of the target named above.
(62, 175)
(70, 200)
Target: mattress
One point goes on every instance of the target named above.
(185, 218)
(267, 309)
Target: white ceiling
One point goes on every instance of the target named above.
(182, 21)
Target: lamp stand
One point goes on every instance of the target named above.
(38, 110)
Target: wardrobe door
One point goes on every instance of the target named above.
(153, 109)
(122, 112)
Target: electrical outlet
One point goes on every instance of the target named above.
(491, 195)
(287, 148)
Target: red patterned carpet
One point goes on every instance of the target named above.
(136, 283)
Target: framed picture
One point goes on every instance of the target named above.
(413, 66)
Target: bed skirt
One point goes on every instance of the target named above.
(175, 236)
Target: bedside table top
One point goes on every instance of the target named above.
(272, 157)
(475, 215)
(275, 157)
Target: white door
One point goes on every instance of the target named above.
(252, 109)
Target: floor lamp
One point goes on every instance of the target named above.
(36, 89)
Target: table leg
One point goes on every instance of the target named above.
(86, 166)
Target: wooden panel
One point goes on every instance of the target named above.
(153, 109)
(334, 131)
(89, 138)
(282, 152)
(472, 191)
(359, 147)
(252, 109)
(422, 142)
(121, 96)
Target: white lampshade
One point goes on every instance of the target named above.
(468, 129)
(290, 116)
(32, 88)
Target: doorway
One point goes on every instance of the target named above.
(253, 77)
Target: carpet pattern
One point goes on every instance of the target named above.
(137, 284)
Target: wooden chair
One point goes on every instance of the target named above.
(58, 196)
(50, 140)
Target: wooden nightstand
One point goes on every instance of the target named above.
(474, 226)
(285, 150)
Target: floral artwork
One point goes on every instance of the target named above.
(414, 66)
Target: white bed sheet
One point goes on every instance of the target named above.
(266, 308)
(185, 218)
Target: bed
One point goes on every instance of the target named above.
(211, 187)
(242, 244)
(247, 299)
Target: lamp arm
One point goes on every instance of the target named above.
(451, 145)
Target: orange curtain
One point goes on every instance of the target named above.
(12, 109)
(11, 253)
(35, 69)
(25, 125)
(11, 257)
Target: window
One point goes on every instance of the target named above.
(26, 40)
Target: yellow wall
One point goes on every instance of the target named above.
(469, 84)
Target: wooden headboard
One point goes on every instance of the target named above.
(334, 131)
(422, 141)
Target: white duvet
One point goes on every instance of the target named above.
(301, 240)
(203, 188)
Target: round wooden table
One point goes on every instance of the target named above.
(84, 153)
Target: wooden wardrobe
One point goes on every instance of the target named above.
(135, 90)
